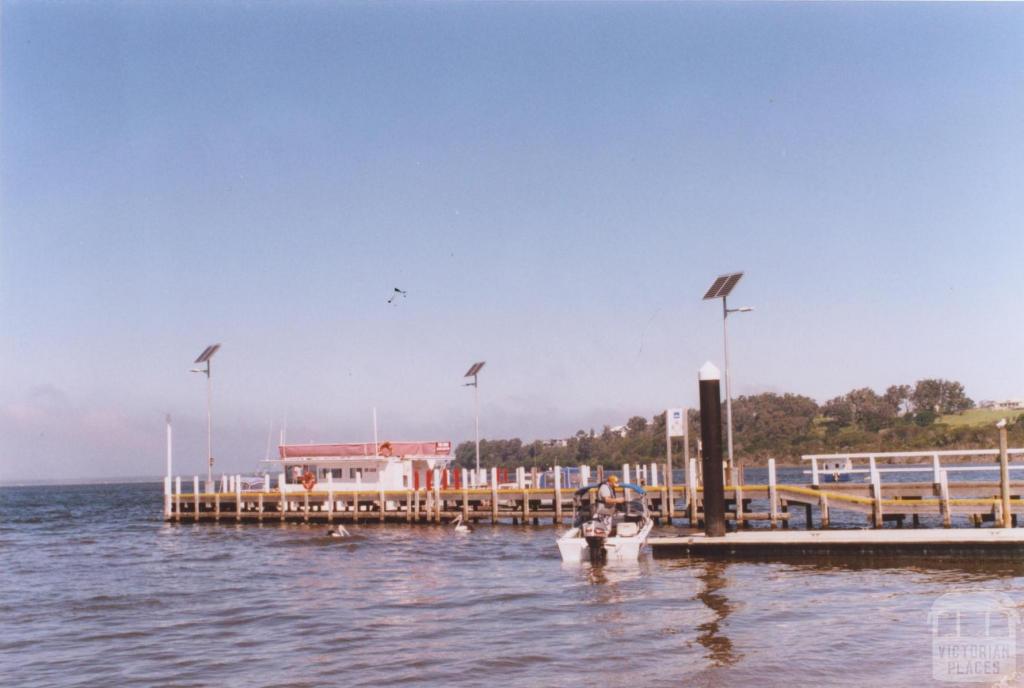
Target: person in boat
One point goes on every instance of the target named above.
(606, 499)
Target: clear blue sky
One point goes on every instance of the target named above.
(554, 185)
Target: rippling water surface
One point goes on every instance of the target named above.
(96, 590)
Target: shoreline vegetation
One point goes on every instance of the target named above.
(931, 414)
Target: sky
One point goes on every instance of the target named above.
(554, 185)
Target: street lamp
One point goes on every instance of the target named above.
(721, 288)
(205, 357)
(473, 371)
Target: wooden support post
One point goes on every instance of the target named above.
(305, 506)
(809, 515)
(876, 497)
(739, 500)
(600, 474)
(416, 507)
(355, 497)
(1004, 478)
(238, 498)
(283, 505)
(195, 494)
(691, 492)
(526, 506)
(216, 506)
(330, 495)
(383, 501)
(669, 509)
(259, 507)
(177, 498)
(711, 435)
(947, 516)
(494, 494)
(773, 496)
(823, 508)
(168, 498)
(408, 506)
(533, 478)
(437, 496)
(465, 497)
(558, 496)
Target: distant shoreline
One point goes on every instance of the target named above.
(46, 482)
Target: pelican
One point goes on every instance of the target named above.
(340, 531)
(460, 527)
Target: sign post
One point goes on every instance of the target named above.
(675, 426)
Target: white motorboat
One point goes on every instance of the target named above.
(598, 539)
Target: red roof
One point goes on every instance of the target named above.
(399, 449)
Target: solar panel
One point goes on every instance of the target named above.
(474, 369)
(723, 285)
(207, 354)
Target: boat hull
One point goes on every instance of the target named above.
(573, 547)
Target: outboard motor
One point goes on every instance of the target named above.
(595, 532)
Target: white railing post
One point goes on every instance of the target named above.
(773, 496)
(330, 491)
(654, 474)
(936, 468)
(814, 472)
(280, 486)
(584, 475)
(625, 473)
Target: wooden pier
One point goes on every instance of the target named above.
(771, 504)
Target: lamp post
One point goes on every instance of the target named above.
(721, 288)
(205, 357)
(473, 371)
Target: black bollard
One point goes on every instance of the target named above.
(711, 437)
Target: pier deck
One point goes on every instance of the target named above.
(770, 504)
(759, 543)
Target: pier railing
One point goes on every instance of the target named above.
(933, 458)
(524, 496)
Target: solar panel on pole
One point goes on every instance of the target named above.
(207, 354)
(474, 369)
(723, 285)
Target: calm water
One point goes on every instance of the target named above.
(95, 590)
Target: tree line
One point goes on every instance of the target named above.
(780, 426)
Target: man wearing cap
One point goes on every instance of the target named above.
(606, 499)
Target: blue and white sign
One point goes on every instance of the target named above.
(676, 422)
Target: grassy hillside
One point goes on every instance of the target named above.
(979, 417)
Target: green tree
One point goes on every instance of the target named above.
(636, 425)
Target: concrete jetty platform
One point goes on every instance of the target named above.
(1001, 542)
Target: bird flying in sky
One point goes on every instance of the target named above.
(398, 292)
